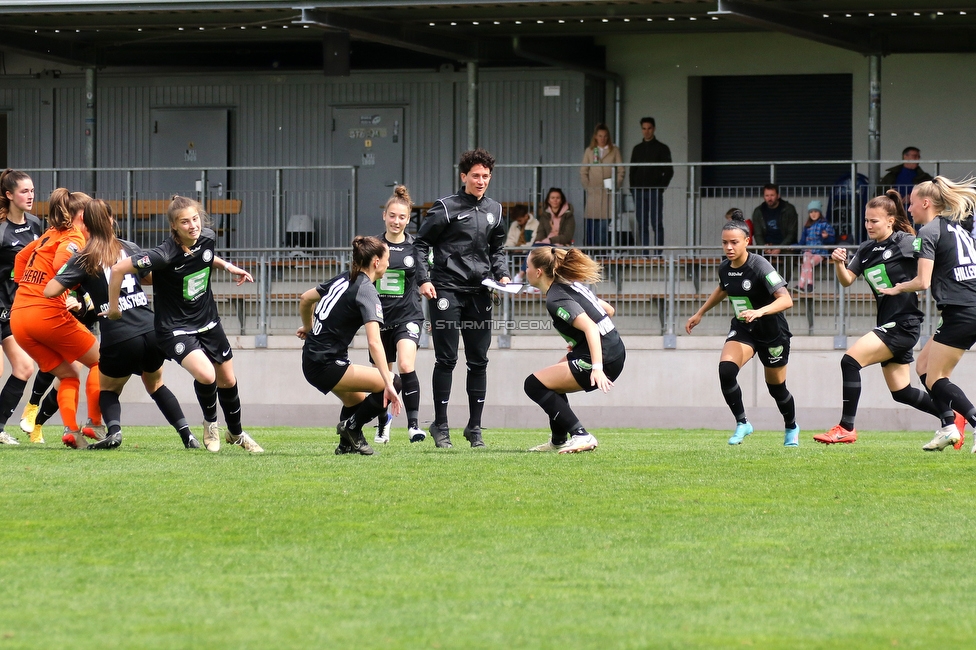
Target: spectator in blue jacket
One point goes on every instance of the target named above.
(816, 231)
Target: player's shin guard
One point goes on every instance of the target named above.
(92, 395)
(10, 396)
(949, 393)
(850, 371)
(942, 411)
(111, 410)
(170, 407)
(555, 407)
(370, 407)
(411, 397)
(42, 382)
(230, 404)
(207, 397)
(68, 402)
(784, 402)
(728, 373)
(48, 407)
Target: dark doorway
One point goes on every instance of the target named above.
(776, 117)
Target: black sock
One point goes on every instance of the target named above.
(368, 409)
(111, 411)
(42, 381)
(477, 388)
(850, 370)
(727, 374)
(944, 413)
(382, 417)
(170, 407)
(559, 435)
(10, 396)
(441, 392)
(952, 395)
(784, 402)
(48, 407)
(230, 404)
(411, 397)
(556, 408)
(207, 397)
(922, 401)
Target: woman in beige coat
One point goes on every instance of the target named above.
(599, 200)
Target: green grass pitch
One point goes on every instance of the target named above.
(658, 539)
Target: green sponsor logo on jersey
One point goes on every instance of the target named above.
(877, 277)
(773, 278)
(584, 365)
(393, 283)
(196, 283)
(740, 304)
(917, 244)
(562, 313)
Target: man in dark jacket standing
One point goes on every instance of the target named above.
(466, 233)
(907, 175)
(648, 184)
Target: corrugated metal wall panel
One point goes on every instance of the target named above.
(285, 119)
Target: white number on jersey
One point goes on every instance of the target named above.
(327, 303)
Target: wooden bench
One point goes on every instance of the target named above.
(148, 208)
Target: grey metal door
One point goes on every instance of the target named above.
(189, 137)
(371, 138)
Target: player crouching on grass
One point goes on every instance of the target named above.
(331, 314)
(596, 355)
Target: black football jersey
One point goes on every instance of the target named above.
(398, 286)
(344, 306)
(752, 286)
(137, 317)
(182, 297)
(565, 302)
(952, 249)
(883, 265)
(14, 237)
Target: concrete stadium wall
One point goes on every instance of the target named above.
(656, 70)
(658, 389)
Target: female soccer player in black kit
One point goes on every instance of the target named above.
(331, 314)
(597, 354)
(128, 346)
(885, 259)
(188, 328)
(947, 262)
(759, 297)
(403, 315)
(17, 228)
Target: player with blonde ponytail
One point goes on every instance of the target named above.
(946, 262)
(597, 354)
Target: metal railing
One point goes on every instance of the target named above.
(652, 295)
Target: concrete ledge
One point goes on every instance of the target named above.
(659, 388)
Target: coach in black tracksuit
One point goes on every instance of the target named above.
(467, 237)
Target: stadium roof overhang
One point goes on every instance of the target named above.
(262, 34)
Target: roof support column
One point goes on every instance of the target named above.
(90, 159)
(874, 123)
(472, 105)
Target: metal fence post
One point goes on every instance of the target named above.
(354, 191)
(264, 286)
(670, 339)
(693, 216)
(840, 340)
(129, 205)
(277, 209)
